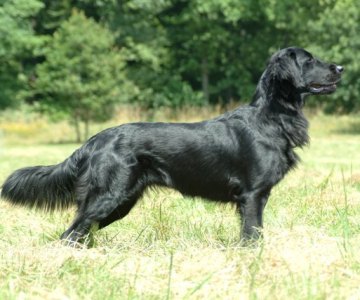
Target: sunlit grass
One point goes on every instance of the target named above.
(171, 247)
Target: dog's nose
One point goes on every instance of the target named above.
(339, 69)
(336, 69)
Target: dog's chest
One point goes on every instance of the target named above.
(273, 162)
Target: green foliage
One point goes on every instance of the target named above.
(337, 38)
(192, 45)
(207, 41)
(52, 15)
(17, 43)
(175, 93)
(83, 74)
(147, 51)
(174, 52)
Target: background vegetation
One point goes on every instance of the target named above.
(76, 59)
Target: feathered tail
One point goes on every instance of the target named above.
(44, 187)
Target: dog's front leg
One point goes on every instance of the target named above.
(251, 207)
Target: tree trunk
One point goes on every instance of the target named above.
(205, 79)
(86, 131)
(77, 128)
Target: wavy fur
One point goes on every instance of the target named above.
(43, 187)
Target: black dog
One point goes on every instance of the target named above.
(237, 157)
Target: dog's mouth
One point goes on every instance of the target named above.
(320, 88)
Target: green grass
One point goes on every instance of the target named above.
(170, 247)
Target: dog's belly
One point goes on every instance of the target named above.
(210, 189)
(214, 183)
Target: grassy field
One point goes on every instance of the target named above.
(170, 247)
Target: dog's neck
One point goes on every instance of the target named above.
(281, 103)
(280, 94)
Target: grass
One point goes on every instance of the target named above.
(169, 247)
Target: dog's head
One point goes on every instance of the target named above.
(301, 70)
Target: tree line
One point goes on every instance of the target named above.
(79, 58)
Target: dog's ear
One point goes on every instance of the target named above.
(286, 69)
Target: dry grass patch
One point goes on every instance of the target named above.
(171, 247)
(301, 263)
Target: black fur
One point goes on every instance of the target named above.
(237, 157)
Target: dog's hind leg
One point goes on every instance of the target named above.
(125, 203)
(87, 217)
(118, 213)
(102, 210)
(106, 193)
(78, 230)
(93, 212)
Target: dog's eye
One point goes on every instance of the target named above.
(311, 60)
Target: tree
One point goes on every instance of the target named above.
(212, 45)
(336, 38)
(180, 52)
(176, 52)
(53, 13)
(145, 44)
(206, 48)
(18, 44)
(83, 74)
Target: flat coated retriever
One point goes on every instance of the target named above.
(237, 157)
